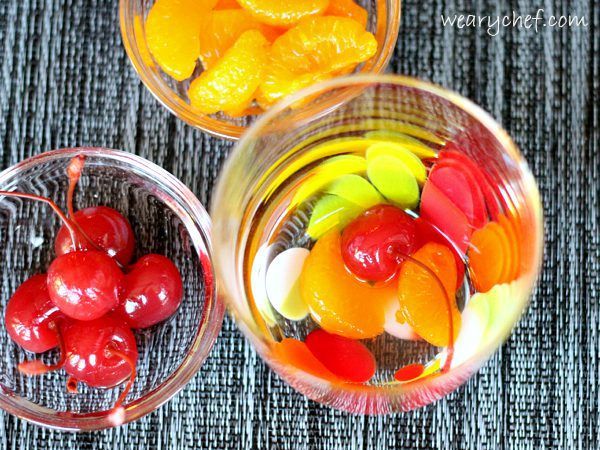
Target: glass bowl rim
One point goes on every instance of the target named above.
(358, 82)
(207, 124)
(207, 331)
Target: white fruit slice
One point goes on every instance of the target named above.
(283, 286)
(395, 328)
(257, 281)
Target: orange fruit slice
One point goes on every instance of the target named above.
(283, 13)
(489, 257)
(223, 27)
(316, 49)
(347, 8)
(424, 294)
(513, 240)
(230, 84)
(173, 34)
(337, 301)
(295, 353)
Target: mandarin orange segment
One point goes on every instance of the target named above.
(426, 291)
(223, 27)
(489, 256)
(316, 49)
(296, 354)
(337, 301)
(283, 13)
(227, 4)
(347, 8)
(173, 34)
(231, 83)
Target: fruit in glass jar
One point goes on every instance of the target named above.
(337, 301)
(375, 243)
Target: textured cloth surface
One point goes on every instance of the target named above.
(65, 81)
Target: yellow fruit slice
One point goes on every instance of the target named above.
(231, 83)
(395, 150)
(316, 49)
(173, 34)
(283, 13)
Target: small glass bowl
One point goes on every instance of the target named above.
(167, 219)
(255, 193)
(384, 23)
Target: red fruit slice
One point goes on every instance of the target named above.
(409, 372)
(484, 182)
(348, 359)
(438, 210)
(296, 354)
(425, 233)
(462, 190)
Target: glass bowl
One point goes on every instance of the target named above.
(167, 219)
(254, 199)
(384, 23)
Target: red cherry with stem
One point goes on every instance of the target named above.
(101, 352)
(107, 228)
(85, 285)
(152, 293)
(104, 228)
(31, 318)
(374, 244)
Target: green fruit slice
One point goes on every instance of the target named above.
(394, 180)
(355, 189)
(396, 150)
(331, 212)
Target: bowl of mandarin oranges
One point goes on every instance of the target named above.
(108, 302)
(219, 64)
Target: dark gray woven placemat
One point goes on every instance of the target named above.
(65, 81)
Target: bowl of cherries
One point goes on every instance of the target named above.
(108, 294)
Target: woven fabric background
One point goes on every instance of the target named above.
(65, 81)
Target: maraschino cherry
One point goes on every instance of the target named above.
(101, 352)
(104, 228)
(85, 285)
(31, 318)
(152, 293)
(376, 242)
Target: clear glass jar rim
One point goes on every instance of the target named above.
(210, 325)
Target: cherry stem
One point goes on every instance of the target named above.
(132, 376)
(68, 223)
(450, 348)
(37, 367)
(74, 170)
